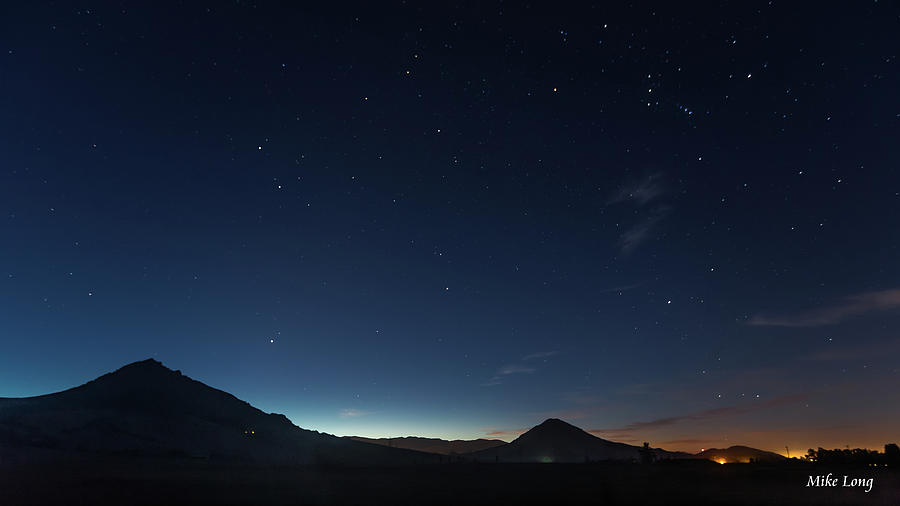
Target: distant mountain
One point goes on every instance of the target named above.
(557, 441)
(146, 409)
(735, 454)
(433, 445)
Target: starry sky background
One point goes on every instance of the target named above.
(392, 218)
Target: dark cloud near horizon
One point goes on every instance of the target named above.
(851, 306)
(702, 415)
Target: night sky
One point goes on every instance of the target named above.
(669, 224)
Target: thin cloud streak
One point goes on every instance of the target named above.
(850, 306)
(702, 415)
(506, 432)
(640, 192)
(508, 370)
(638, 234)
(511, 369)
(353, 413)
(540, 354)
(514, 369)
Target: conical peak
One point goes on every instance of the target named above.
(148, 365)
(555, 428)
(149, 362)
(557, 424)
(143, 371)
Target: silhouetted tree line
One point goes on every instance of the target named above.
(856, 456)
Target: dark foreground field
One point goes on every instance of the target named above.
(170, 482)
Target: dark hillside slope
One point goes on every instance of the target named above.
(147, 409)
(557, 441)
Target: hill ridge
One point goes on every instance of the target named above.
(145, 408)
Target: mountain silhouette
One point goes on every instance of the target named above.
(146, 409)
(557, 441)
(433, 445)
(734, 454)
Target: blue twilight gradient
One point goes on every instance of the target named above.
(400, 219)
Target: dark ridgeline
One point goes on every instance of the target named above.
(433, 445)
(148, 435)
(557, 441)
(740, 454)
(146, 409)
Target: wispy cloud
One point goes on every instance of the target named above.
(853, 305)
(353, 413)
(501, 433)
(640, 192)
(521, 368)
(639, 233)
(698, 416)
(508, 370)
(514, 369)
(540, 354)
